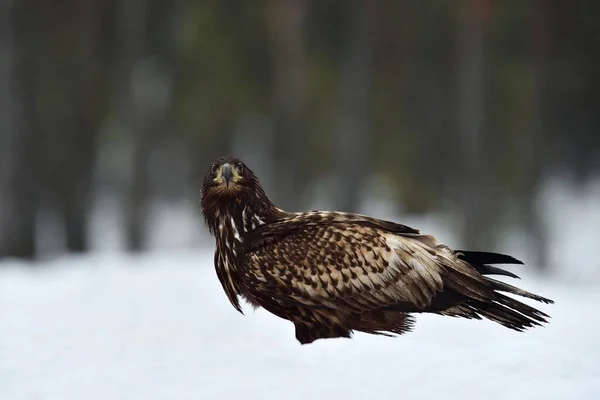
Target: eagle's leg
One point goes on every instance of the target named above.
(309, 333)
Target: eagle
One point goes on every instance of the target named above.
(335, 273)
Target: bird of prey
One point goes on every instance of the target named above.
(334, 273)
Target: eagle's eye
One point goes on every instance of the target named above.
(240, 167)
(213, 169)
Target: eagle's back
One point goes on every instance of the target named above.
(359, 273)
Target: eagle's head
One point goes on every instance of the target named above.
(231, 192)
(228, 178)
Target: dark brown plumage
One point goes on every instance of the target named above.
(333, 273)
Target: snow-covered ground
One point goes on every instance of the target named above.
(158, 326)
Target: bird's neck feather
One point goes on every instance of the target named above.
(230, 226)
(237, 220)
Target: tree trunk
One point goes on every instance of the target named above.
(286, 22)
(145, 84)
(8, 120)
(18, 196)
(535, 143)
(352, 147)
(133, 17)
(473, 184)
(82, 130)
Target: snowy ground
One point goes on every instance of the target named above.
(158, 326)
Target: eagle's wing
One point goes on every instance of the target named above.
(354, 263)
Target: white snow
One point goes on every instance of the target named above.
(158, 326)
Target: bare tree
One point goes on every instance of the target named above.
(132, 28)
(286, 23)
(82, 126)
(18, 158)
(473, 188)
(143, 90)
(533, 143)
(352, 147)
(7, 115)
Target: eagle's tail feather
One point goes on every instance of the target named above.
(516, 316)
(500, 286)
(503, 309)
(508, 311)
(486, 257)
(480, 260)
(489, 270)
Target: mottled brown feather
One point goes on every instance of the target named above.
(332, 273)
(372, 269)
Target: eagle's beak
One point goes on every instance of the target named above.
(226, 173)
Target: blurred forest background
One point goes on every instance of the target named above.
(463, 107)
